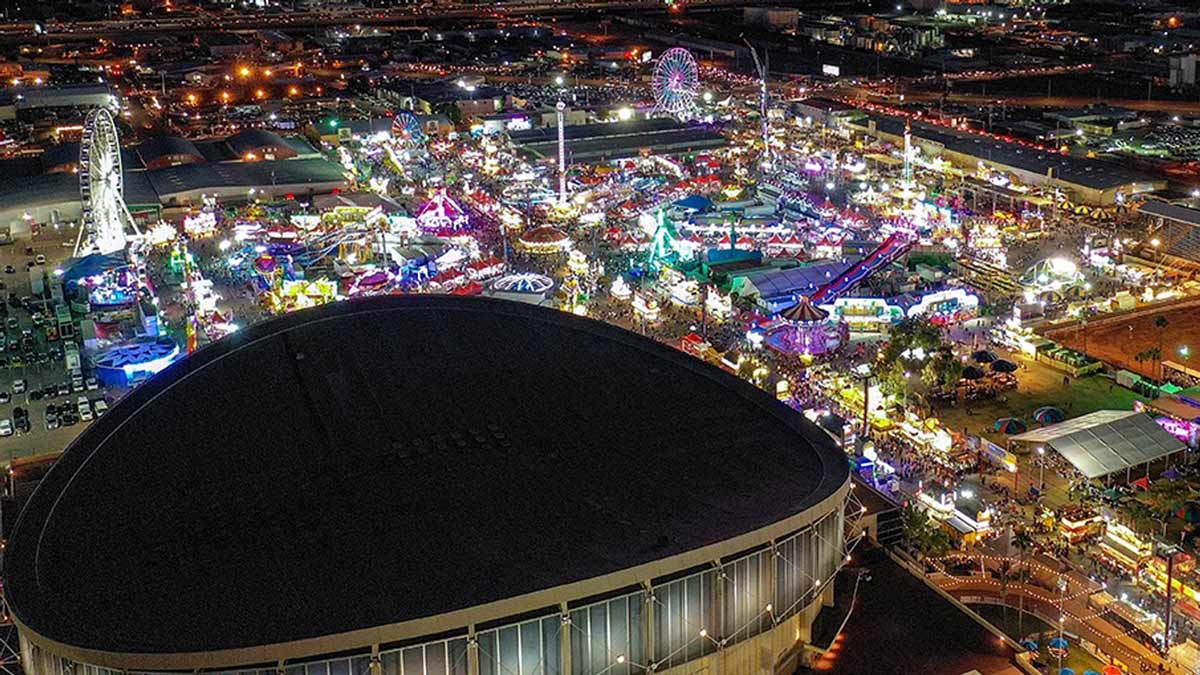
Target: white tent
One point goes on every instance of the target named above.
(1106, 441)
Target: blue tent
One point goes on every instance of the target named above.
(91, 265)
(1058, 643)
(694, 202)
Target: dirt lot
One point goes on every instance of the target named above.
(1119, 342)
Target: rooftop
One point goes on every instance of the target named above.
(1090, 173)
(378, 461)
(618, 139)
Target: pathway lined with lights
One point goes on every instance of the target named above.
(1072, 610)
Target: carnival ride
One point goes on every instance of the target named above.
(676, 83)
(886, 253)
(407, 128)
(806, 329)
(105, 217)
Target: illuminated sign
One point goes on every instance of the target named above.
(949, 301)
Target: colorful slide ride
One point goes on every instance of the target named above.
(888, 252)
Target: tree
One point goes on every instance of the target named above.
(893, 378)
(1023, 540)
(909, 334)
(1164, 498)
(1161, 322)
(923, 533)
(943, 370)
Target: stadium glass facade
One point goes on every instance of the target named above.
(658, 626)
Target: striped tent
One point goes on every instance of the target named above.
(804, 312)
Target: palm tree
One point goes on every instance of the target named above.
(1023, 540)
(1161, 323)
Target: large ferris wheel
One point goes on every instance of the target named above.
(101, 188)
(676, 83)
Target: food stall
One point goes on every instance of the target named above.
(1080, 523)
(1123, 546)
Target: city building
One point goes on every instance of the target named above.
(1183, 70)
(432, 485)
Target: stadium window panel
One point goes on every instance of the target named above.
(618, 633)
(456, 651)
(598, 637)
(318, 668)
(580, 650)
(636, 604)
(551, 641)
(531, 648)
(435, 658)
(413, 661)
(339, 667)
(693, 616)
(489, 662)
(510, 651)
(389, 663)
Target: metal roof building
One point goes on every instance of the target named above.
(1090, 181)
(617, 140)
(1107, 441)
(441, 486)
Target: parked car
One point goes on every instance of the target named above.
(101, 407)
(18, 386)
(21, 419)
(6, 427)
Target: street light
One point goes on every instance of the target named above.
(1041, 469)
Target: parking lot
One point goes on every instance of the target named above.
(34, 378)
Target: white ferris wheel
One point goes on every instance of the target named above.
(101, 188)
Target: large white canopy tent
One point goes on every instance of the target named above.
(1107, 441)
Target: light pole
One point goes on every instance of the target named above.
(1169, 551)
(1062, 587)
(562, 153)
(1041, 470)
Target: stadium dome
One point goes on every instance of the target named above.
(506, 489)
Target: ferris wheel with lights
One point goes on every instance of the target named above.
(105, 220)
(676, 83)
(407, 128)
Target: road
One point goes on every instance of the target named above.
(25, 32)
(1039, 101)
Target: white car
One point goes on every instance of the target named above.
(101, 407)
(6, 427)
(18, 387)
(85, 412)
